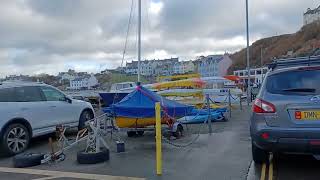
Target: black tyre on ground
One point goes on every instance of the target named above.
(93, 158)
(259, 156)
(15, 139)
(27, 160)
(85, 116)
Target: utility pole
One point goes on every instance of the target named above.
(248, 54)
(139, 38)
(261, 64)
(261, 52)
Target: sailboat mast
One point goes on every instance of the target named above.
(139, 38)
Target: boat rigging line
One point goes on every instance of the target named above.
(128, 32)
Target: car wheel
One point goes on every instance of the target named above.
(84, 157)
(84, 117)
(259, 156)
(15, 139)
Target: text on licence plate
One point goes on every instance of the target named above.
(307, 115)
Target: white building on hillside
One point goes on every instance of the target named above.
(67, 76)
(311, 15)
(183, 67)
(151, 67)
(256, 75)
(85, 82)
(213, 65)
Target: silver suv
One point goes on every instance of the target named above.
(286, 112)
(34, 109)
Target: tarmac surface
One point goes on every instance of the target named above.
(225, 155)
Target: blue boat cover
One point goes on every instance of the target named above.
(141, 104)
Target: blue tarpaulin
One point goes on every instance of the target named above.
(141, 104)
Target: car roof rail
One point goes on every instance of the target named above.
(292, 62)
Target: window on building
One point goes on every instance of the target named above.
(258, 71)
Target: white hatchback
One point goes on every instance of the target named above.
(34, 109)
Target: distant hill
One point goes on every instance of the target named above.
(302, 43)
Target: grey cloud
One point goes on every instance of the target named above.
(55, 33)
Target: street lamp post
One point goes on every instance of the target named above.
(139, 39)
(248, 54)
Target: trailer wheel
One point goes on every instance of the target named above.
(84, 157)
(131, 133)
(140, 133)
(27, 160)
(221, 118)
(178, 132)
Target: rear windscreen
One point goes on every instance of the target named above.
(299, 82)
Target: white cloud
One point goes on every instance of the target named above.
(155, 7)
(54, 35)
(158, 54)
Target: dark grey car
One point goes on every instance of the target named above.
(286, 113)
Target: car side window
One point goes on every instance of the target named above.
(21, 94)
(27, 94)
(7, 95)
(52, 94)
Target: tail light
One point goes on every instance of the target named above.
(261, 106)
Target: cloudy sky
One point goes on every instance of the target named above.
(48, 36)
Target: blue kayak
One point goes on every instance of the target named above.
(201, 116)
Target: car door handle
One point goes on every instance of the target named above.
(53, 106)
(24, 109)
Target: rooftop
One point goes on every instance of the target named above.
(135, 63)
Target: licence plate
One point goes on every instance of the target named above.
(307, 115)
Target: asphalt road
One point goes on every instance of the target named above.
(225, 155)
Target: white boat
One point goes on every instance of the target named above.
(123, 87)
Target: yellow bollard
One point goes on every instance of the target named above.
(158, 139)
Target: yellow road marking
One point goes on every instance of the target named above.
(270, 171)
(66, 174)
(48, 178)
(263, 172)
(270, 175)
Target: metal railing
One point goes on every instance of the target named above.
(291, 62)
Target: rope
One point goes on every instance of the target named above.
(128, 30)
(188, 143)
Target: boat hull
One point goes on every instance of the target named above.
(126, 122)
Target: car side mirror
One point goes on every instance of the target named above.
(68, 100)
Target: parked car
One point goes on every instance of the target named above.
(34, 109)
(79, 97)
(286, 112)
